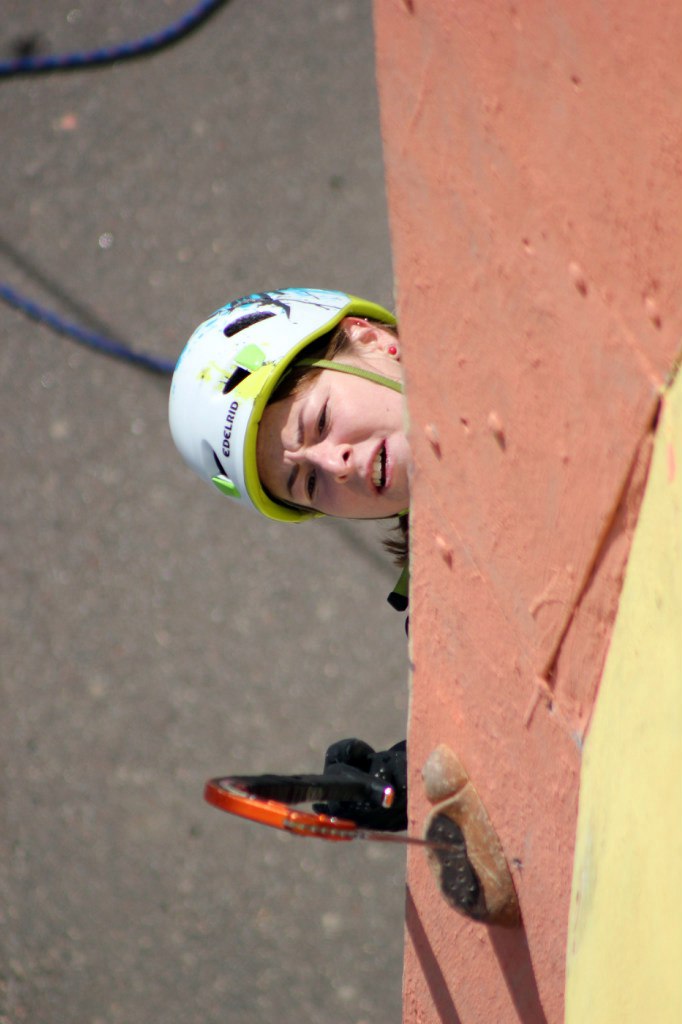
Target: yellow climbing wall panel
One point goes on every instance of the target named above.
(624, 951)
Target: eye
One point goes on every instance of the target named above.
(322, 421)
(310, 485)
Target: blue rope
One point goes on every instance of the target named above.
(107, 55)
(75, 61)
(81, 334)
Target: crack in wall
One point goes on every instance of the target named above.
(622, 521)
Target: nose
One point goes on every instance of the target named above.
(333, 459)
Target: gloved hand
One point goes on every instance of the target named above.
(353, 757)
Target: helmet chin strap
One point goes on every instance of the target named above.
(354, 371)
(398, 598)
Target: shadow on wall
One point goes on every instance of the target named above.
(513, 955)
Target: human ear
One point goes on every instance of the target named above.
(369, 337)
(360, 331)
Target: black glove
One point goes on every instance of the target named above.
(353, 758)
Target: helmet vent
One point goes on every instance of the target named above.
(248, 320)
(218, 464)
(236, 378)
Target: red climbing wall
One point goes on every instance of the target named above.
(533, 164)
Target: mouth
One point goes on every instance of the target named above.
(379, 474)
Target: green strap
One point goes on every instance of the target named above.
(399, 596)
(355, 371)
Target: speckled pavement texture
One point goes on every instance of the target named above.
(151, 635)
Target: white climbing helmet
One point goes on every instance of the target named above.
(229, 369)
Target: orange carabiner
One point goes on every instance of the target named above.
(228, 795)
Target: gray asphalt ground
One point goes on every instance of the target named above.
(152, 635)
